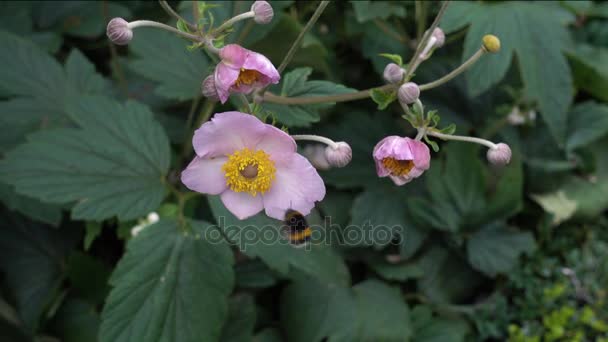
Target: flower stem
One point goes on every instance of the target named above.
(150, 23)
(415, 61)
(317, 138)
(233, 20)
(245, 102)
(296, 44)
(464, 66)
(480, 141)
(362, 94)
(174, 14)
(203, 116)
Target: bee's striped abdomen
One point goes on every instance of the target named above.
(297, 231)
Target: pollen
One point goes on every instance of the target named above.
(247, 77)
(398, 167)
(249, 171)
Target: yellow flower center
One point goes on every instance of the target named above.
(249, 171)
(398, 167)
(247, 76)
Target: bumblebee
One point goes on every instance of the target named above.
(296, 230)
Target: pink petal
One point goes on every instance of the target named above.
(234, 55)
(422, 154)
(205, 175)
(258, 62)
(226, 133)
(380, 169)
(278, 144)
(225, 77)
(393, 147)
(297, 186)
(242, 204)
(400, 180)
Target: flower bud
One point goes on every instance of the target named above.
(408, 93)
(439, 36)
(119, 32)
(499, 155)
(393, 73)
(263, 12)
(491, 43)
(315, 153)
(339, 155)
(209, 89)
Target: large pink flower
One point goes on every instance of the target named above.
(401, 159)
(242, 70)
(252, 166)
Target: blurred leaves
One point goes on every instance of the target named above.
(590, 69)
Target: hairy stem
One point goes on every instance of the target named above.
(480, 141)
(228, 23)
(296, 44)
(464, 66)
(362, 94)
(316, 138)
(150, 23)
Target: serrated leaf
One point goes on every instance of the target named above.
(163, 58)
(296, 84)
(167, 278)
(32, 259)
(587, 123)
(395, 58)
(451, 129)
(495, 249)
(113, 165)
(383, 98)
(260, 236)
(546, 76)
(30, 207)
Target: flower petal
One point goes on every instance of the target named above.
(258, 62)
(297, 186)
(422, 154)
(393, 147)
(234, 55)
(226, 133)
(278, 144)
(225, 77)
(205, 175)
(242, 204)
(400, 180)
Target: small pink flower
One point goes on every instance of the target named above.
(252, 166)
(242, 70)
(401, 159)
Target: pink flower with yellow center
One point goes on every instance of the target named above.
(242, 71)
(401, 159)
(252, 166)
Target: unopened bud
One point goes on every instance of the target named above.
(339, 155)
(491, 43)
(499, 155)
(209, 89)
(119, 32)
(393, 73)
(439, 36)
(263, 12)
(408, 93)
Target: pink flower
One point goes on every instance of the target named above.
(242, 70)
(401, 159)
(252, 166)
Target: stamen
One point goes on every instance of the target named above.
(398, 167)
(249, 171)
(247, 76)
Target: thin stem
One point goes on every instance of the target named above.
(174, 14)
(316, 138)
(464, 66)
(245, 102)
(296, 44)
(233, 20)
(245, 31)
(118, 72)
(480, 141)
(414, 62)
(362, 94)
(210, 47)
(386, 29)
(203, 116)
(150, 23)
(420, 7)
(193, 107)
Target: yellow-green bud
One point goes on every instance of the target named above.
(491, 43)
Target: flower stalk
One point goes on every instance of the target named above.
(230, 22)
(150, 23)
(475, 140)
(464, 66)
(175, 15)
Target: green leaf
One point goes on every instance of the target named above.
(371, 311)
(587, 123)
(114, 165)
(383, 98)
(296, 84)
(401, 271)
(366, 10)
(30, 207)
(76, 321)
(546, 75)
(451, 129)
(260, 236)
(589, 69)
(558, 204)
(32, 259)
(254, 274)
(82, 76)
(495, 249)
(167, 278)
(163, 58)
(88, 277)
(92, 231)
(395, 58)
(241, 319)
(436, 329)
